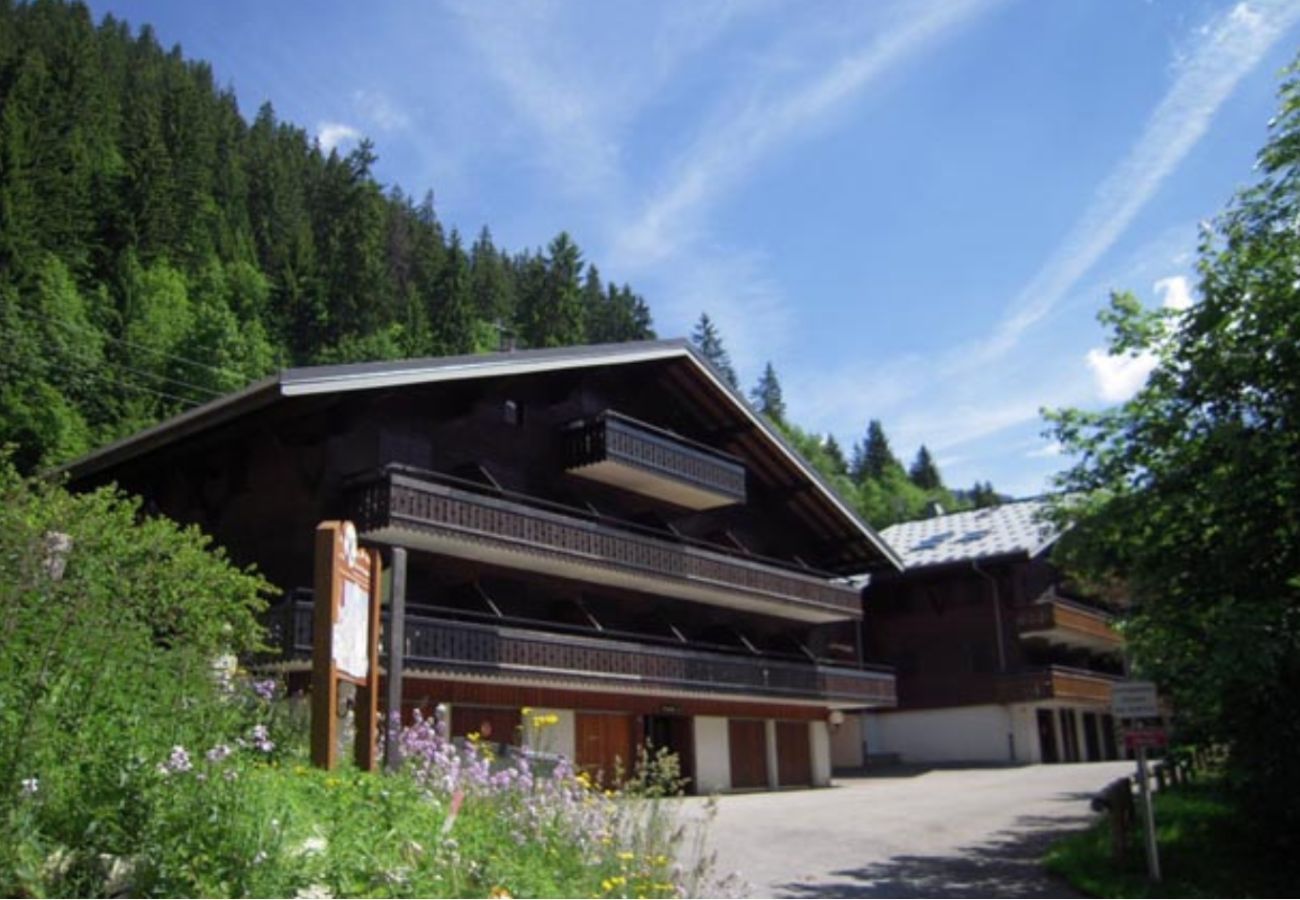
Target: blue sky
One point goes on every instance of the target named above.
(913, 209)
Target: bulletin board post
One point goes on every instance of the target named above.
(345, 643)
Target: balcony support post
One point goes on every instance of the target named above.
(396, 654)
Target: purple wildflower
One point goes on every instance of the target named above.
(265, 689)
(179, 761)
(262, 739)
(218, 753)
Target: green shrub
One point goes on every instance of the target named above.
(110, 626)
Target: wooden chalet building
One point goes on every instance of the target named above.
(606, 533)
(998, 659)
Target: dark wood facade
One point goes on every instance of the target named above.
(626, 537)
(999, 632)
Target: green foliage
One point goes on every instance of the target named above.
(110, 624)
(1207, 849)
(1187, 497)
(156, 250)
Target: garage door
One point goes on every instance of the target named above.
(793, 754)
(604, 745)
(748, 742)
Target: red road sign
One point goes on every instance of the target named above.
(1145, 737)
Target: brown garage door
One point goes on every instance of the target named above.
(604, 745)
(748, 742)
(793, 754)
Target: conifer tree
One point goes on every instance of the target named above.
(873, 457)
(766, 395)
(709, 342)
(839, 465)
(923, 472)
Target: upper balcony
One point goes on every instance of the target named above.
(1062, 621)
(444, 647)
(427, 511)
(621, 451)
(1056, 683)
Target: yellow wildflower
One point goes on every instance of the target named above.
(626, 855)
(526, 711)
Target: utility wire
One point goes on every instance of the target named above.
(106, 378)
(90, 329)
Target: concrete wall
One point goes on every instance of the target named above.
(712, 755)
(955, 734)
(561, 738)
(846, 743)
(820, 740)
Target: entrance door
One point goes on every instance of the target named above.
(793, 754)
(604, 745)
(676, 734)
(1069, 734)
(1108, 736)
(1091, 738)
(748, 745)
(493, 725)
(1047, 737)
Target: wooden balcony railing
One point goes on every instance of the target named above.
(461, 647)
(622, 451)
(458, 519)
(1055, 683)
(1067, 622)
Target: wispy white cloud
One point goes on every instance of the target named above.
(946, 401)
(667, 241)
(332, 135)
(1224, 51)
(726, 151)
(380, 109)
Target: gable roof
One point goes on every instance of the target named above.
(1012, 529)
(338, 379)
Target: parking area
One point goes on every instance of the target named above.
(971, 832)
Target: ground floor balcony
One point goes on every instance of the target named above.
(457, 648)
(1056, 683)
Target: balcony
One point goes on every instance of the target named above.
(1056, 683)
(620, 451)
(460, 519)
(444, 647)
(1061, 621)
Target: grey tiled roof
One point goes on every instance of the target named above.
(979, 534)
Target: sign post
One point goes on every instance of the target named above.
(1131, 702)
(345, 645)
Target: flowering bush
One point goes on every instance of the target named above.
(136, 759)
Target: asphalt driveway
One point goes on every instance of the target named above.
(940, 833)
